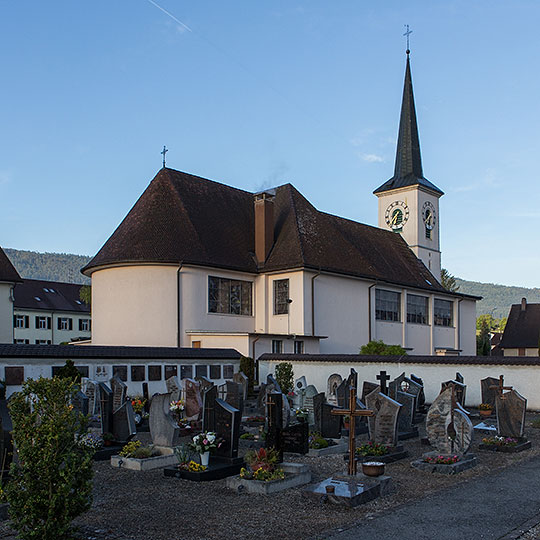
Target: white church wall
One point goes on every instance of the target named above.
(6, 313)
(522, 377)
(467, 327)
(134, 305)
(419, 338)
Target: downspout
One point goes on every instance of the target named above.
(178, 334)
(369, 310)
(313, 278)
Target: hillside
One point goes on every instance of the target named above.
(50, 266)
(497, 299)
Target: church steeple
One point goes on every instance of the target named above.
(408, 166)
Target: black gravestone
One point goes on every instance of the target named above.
(327, 424)
(106, 406)
(367, 388)
(274, 416)
(271, 381)
(235, 395)
(490, 390)
(209, 406)
(296, 438)
(342, 394)
(421, 398)
(123, 424)
(80, 403)
(146, 396)
(227, 427)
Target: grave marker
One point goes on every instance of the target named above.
(383, 423)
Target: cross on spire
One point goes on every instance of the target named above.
(407, 34)
(163, 152)
(352, 412)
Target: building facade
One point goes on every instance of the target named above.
(49, 313)
(196, 263)
(9, 277)
(521, 336)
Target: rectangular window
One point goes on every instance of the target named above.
(186, 372)
(277, 346)
(196, 344)
(442, 312)
(65, 323)
(281, 296)
(84, 325)
(417, 309)
(14, 375)
(137, 373)
(201, 371)
(20, 321)
(215, 372)
(21, 341)
(121, 372)
(298, 347)
(230, 296)
(83, 370)
(43, 341)
(387, 305)
(521, 351)
(171, 371)
(41, 323)
(154, 373)
(228, 371)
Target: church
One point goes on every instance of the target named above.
(197, 263)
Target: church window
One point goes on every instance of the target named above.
(417, 309)
(443, 312)
(230, 296)
(281, 296)
(387, 305)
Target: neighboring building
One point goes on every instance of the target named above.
(201, 264)
(521, 335)
(8, 278)
(49, 313)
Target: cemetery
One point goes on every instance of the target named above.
(320, 460)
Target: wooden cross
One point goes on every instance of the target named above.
(382, 377)
(163, 152)
(500, 387)
(352, 412)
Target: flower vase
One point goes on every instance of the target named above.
(204, 458)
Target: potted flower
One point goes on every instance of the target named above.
(203, 444)
(346, 421)
(177, 409)
(485, 409)
(108, 438)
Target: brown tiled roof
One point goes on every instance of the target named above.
(7, 270)
(182, 218)
(49, 296)
(522, 328)
(406, 359)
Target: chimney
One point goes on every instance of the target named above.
(264, 225)
(523, 304)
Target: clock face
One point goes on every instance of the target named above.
(397, 215)
(428, 215)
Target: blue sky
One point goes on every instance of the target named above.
(259, 93)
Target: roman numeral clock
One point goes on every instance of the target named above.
(396, 215)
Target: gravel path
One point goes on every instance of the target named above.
(131, 505)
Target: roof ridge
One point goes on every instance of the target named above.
(168, 170)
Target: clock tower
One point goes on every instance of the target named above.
(408, 202)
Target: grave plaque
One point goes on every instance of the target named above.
(383, 424)
(163, 429)
(215, 371)
(510, 407)
(300, 384)
(489, 390)
(138, 373)
(119, 390)
(173, 387)
(124, 427)
(154, 373)
(406, 412)
(270, 381)
(193, 399)
(186, 372)
(327, 424)
(91, 390)
(332, 385)
(296, 438)
(120, 372)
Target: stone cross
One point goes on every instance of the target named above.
(352, 412)
(500, 387)
(383, 377)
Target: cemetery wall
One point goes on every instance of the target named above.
(522, 373)
(6, 313)
(135, 305)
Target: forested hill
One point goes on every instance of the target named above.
(49, 266)
(497, 299)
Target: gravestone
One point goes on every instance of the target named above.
(459, 378)
(224, 420)
(489, 390)
(406, 412)
(459, 390)
(342, 394)
(331, 387)
(163, 428)
(383, 423)
(367, 388)
(173, 387)
(449, 430)
(146, 396)
(106, 406)
(404, 384)
(241, 379)
(80, 403)
(327, 424)
(311, 392)
(204, 383)
(510, 407)
(271, 381)
(91, 390)
(383, 378)
(209, 399)
(193, 401)
(234, 395)
(261, 399)
(274, 416)
(119, 392)
(352, 379)
(421, 400)
(123, 423)
(295, 438)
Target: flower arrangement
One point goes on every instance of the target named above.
(485, 407)
(262, 475)
(372, 449)
(500, 441)
(90, 440)
(138, 404)
(301, 412)
(441, 460)
(108, 438)
(205, 442)
(317, 441)
(129, 449)
(262, 459)
(192, 466)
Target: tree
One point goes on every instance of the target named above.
(493, 324)
(448, 281)
(51, 483)
(285, 376)
(379, 348)
(69, 371)
(247, 367)
(483, 345)
(85, 294)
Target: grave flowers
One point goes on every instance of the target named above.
(177, 409)
(485, 409)
(203, 444)
(500, 441)
(372, 449)
(108, 438)
(138, 404)
(90, 440)
(317, 441)
(441, 460)
(262, 466)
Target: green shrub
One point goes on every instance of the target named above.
(285, 376)
(142, 453)
(380, 348)
(69, 371)
(129, 449)
(52, 482)
(247, 367)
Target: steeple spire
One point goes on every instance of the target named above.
(408, 167)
